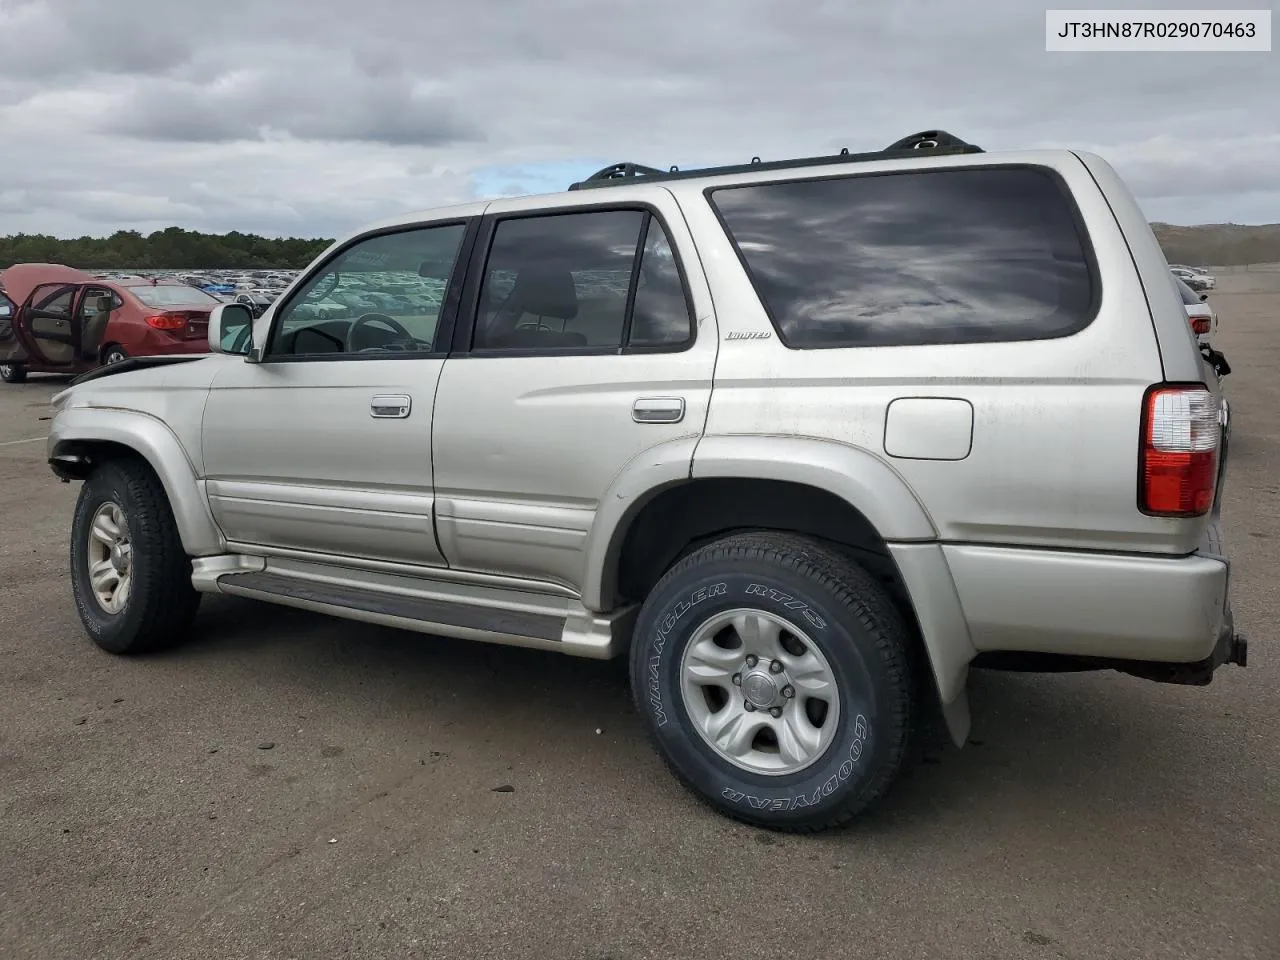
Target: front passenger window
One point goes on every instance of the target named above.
(380, 297)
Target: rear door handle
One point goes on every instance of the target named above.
(658, 410)
(394, 406)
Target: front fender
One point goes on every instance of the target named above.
(77, 432)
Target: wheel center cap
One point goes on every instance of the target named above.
(759, 689)
(120, 557)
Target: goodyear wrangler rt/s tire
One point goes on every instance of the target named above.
(773, 674)
(130, 577)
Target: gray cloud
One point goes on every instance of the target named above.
(333, 105)
(311, 116)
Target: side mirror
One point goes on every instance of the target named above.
(231, 329)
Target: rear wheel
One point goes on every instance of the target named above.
(12, 373)
(775, 679)
(130, 577)
(114, 354)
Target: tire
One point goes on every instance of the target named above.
(113, 354)
(841, 616)
(159, 601)
(11, 373)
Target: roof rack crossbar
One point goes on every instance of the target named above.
(932, 142)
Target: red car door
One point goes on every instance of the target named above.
(47, 329)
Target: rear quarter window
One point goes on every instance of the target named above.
(976, 255)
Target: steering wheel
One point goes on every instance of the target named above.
(365, 319)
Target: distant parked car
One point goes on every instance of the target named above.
(55, 319)
(255, 301)
(1203, 318)
(1195, 279)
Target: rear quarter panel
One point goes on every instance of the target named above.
(1053, 453)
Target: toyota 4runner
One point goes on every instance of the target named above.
(805, 440)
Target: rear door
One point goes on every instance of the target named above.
(47, 327)
(578, 352)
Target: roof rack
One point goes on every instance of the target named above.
(933, 142)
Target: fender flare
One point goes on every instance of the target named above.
(858, 477)
(79, 427)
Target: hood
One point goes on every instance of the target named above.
(147, 388)
(20, 279)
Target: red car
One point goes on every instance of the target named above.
(55, 319)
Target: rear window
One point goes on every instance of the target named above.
(928, 257)
(175, 295)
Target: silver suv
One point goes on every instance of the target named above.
(805, 440)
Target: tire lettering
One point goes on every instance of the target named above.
(660, 642)
(862, 730)
(788, 601)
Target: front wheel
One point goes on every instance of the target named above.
(130, 577)
(12, 373)
(774, 677)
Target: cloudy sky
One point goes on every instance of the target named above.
(310, 117)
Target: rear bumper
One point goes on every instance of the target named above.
(162, 344)
(1106, 607)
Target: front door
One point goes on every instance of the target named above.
(579, 353)
(46, 327)
(324, 446)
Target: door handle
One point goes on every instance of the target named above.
(658, 410)
(390, 406)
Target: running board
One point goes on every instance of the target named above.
(576, 632)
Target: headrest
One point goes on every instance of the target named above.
(546, 292)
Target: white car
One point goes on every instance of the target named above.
(1203, 318)
(1194, 276)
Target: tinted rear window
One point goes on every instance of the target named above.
(928, 257)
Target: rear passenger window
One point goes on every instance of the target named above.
(563, 282)
(929, 257)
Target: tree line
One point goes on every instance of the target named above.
(170, 249)
(176, 249)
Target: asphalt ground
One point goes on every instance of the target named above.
(288, 785)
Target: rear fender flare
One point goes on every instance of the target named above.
(860, 478)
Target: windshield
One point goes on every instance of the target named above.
(174, 295)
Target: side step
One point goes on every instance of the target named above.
(576, 632)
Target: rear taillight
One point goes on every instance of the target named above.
(1200, 325)
(167, 321)
(1181, 434)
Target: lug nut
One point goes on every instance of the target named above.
(788, 691)
(749, 707)
(775, 666)
(775, 712)
(737, 679)
(752, 659)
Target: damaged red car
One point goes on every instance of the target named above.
(56, 319)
